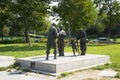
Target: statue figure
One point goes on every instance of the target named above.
(61, 36)
(73, 44)
(83, 40)
(51, 41)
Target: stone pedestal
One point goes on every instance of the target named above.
(66, 63)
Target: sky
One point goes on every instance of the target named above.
(51, 18)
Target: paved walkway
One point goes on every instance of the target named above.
(12, 76)
(6, 61)
(82, 75)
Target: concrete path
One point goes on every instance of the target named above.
(9, 76)
(6, 61)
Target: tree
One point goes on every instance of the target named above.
(30, 14)
(5, 14)
(111, 10)
(76, 13)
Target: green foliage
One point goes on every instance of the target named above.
(16, 64)
(5, 30)
(118, 39)
(77, 13)
(118, 75)
(31, 13)
(108, 13)
(116, 65)
(43, 40)
(12, 41)
(65, 74)
(89, 79)
(25, 69)
(5, 15)
(18, 68)
(3, 68)
(102, 67)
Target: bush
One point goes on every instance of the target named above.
(3, 68)
(43, 40)
(12, 41)
(102, 67)
(65, 74)
(118, 75)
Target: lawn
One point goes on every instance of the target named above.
(23, 50)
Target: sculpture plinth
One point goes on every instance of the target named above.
(67, 63)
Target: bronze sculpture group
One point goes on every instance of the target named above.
(53, 33)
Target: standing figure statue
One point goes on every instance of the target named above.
(73, 45)
(83, 40)
(51, 41)
(61, 36)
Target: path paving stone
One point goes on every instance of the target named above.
(108, 73)
(8, 76)
(6, 61)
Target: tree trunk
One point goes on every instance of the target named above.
(69, 32)
(27, 34)
(1, 34)
(109, 34)
(110, 24)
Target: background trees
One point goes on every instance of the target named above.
(5, 15)
(77, 13)
(109, 12)
(30, 15)
(25, 16)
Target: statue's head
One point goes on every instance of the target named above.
(81, 29)
(53, 24)
(61, 27)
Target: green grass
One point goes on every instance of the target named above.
(118, 75)
(113, 50)
(118, 39)
(23, 50)
(65, 74)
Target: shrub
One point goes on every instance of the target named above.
(12, 41)
(118, 75)
(65, 74)
(3, 68)
(43, 40)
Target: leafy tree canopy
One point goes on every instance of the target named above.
(79, 13)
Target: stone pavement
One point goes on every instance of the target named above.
(13, 76)
(6, 61)
(88, 74)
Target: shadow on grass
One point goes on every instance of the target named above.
(21, 48)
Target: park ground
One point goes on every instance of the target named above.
(113, 50)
